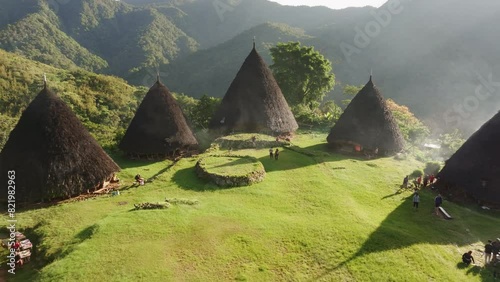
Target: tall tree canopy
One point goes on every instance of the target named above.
(303, 74)
(351, 91)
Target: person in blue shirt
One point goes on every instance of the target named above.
(416, 200)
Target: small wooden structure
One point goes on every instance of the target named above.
(444, 213)
(25, 247)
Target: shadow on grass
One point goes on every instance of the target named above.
(294, 157)
(149, 179)
(162, 171)
(237, 161)
(187, 179)
(289, 158)
(474, 270)
(402, 228)
(124, 162)
(400, 189)
(41, 256)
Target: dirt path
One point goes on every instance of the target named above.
(3, 273)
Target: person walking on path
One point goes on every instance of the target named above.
(437, 203)
(488, 250)
(405, 182)
(416, 200)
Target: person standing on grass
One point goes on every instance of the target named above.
(488, 250)
(276, 154)
(416, 200)
(437, 203)
(271, 153)
(495, 250)
(405, 182)
(419, 181)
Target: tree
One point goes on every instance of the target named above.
(186, 103)
(432, 168)
(303, 74)
(411, 127)
(351, 91)
(416, 173)
(451, 142)
(204, 110)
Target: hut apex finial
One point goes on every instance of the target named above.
(371, 73)
(44, 80)
(254, 42)
(157, 73)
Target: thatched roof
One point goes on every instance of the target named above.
(52, 153)
(368, 121)
(254, 102)
(158, 127)
(475, 164)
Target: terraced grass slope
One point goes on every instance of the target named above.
(316, 217)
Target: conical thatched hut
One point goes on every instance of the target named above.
(159, 128)
(367, 125)
(254, 102)
(474, 170)
(50, 154)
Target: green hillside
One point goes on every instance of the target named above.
(39, 37)
(98, 35)
(211, 23)
(104, 104)
(316, 217)
(433, 66)
(125, 37)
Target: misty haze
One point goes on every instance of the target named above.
(248, 140)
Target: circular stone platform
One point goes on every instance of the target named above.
(249, 141)
(231, 171)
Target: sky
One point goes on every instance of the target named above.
(334, 4)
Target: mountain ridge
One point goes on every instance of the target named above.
(431, 56)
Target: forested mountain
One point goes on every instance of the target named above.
(214, 69)
(98, 35)
(437, 57)
(39, 36)
(215, 21)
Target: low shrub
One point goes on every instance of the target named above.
(151, 206)
(416, 173)
(432, 168)
(176, 201)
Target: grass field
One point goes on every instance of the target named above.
(316, 217)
